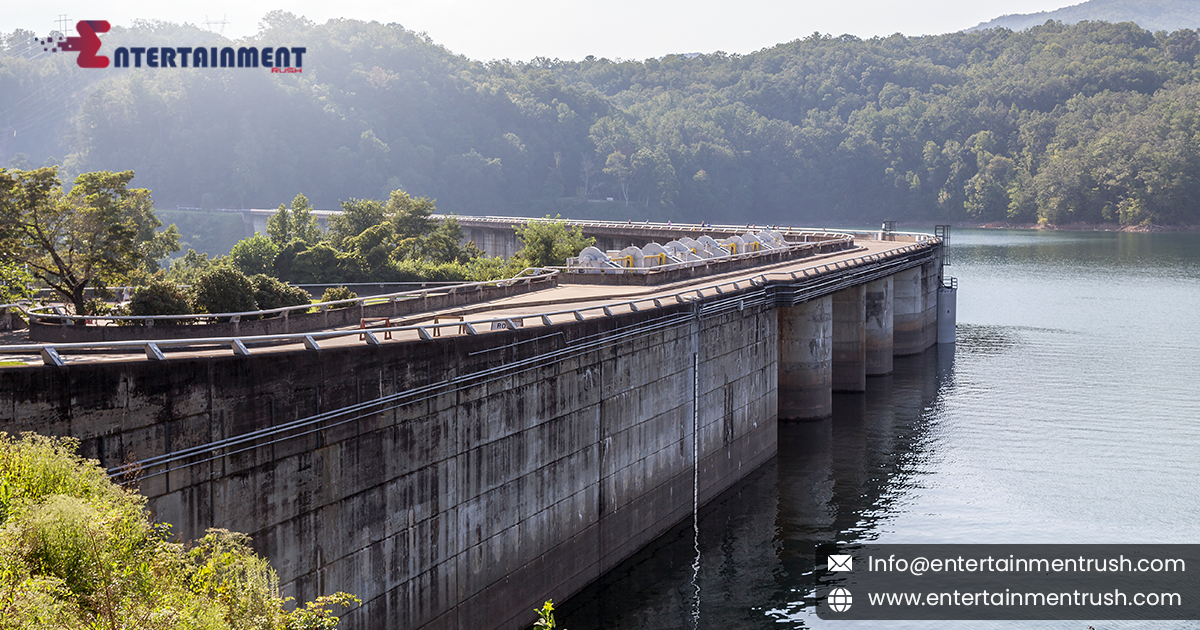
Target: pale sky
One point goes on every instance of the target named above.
(523, 29)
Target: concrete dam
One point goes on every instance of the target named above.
(464, 476)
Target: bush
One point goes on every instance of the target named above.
(487, 268)
(333, 294)
(271, 293)
(96, 306)
(160, 297)
(77, 551)
(223, 290)
(254, 255)
(422, 271)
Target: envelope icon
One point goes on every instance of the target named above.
(841, 562)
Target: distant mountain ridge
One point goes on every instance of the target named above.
(1152, 15)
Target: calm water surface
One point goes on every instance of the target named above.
(1068, 412)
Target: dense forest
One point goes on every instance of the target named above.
(1092, 122)
(1154, 15)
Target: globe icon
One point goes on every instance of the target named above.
(839, 600)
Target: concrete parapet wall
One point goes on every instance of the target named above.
(484, 475)
(43, 332)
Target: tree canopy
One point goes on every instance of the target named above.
(97, 233)
(1058, 123)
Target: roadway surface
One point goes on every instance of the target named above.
(566, 302)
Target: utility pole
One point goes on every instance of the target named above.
(62, 23)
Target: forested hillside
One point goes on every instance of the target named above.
(1153, 15)
(1090, 122)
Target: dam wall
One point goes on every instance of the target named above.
(465, 479)
(448, 483)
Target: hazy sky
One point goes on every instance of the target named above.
(523, 29)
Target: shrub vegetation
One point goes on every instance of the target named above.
(77, 551)
(160, 297)
(333, 294)
(223, 290)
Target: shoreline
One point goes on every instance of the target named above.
(1066, 227)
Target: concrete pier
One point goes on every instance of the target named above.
(849, 340)
(908, 302)
(947, 313)
(930, 282)
(878, 326)
(806, 360)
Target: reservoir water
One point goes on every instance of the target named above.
(1068, 412)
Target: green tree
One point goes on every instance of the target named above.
(14, 283)
(357, 215)
(294, 222)
(279, 226)
(619, 167)
(254, 255)
(373, 246)
(988, 197)
(409, 216)
(94, 235)
(442, 244)
(223, 290)
(318, 263)
(549, 242)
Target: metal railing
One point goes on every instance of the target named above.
(240, 345)
(527, 276)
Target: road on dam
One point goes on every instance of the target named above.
(564, 302)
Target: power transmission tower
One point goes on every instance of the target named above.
(210, 23)
(62, 22)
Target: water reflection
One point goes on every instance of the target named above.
(1067, 413)
(834, 479)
